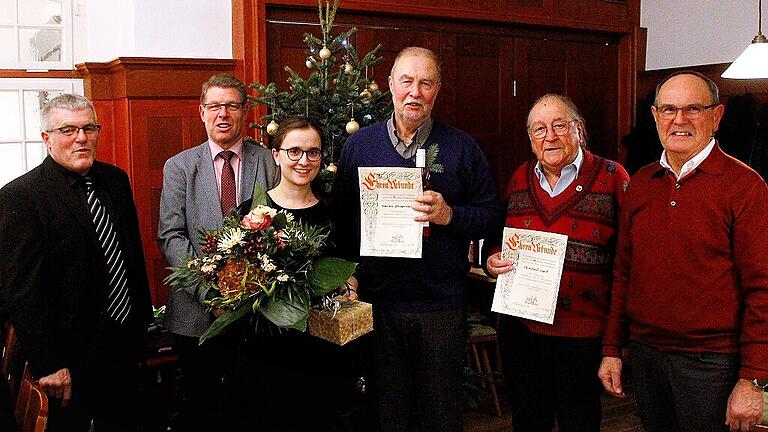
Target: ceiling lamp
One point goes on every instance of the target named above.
(753, 62)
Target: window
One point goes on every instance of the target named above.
(36, 34)
(21, 146)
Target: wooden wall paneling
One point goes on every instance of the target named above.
(160, 129)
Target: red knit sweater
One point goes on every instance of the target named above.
(691, 269)
(587, 212)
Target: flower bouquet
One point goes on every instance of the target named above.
(266, 262)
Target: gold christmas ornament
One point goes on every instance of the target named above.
(272, 127)
(373, 87)
(309, 62)
(352, 126)
(365, 94)
(325, 53)
(332, 167)
(348, 68)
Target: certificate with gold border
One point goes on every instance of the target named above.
(387, 228)
(530, 289)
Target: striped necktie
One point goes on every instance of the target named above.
(118, 302)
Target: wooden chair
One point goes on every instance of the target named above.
(480, 337)
(7, 361)
(31, 405)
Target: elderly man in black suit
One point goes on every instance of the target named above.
(73, 275)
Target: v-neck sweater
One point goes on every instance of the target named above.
(587, 211)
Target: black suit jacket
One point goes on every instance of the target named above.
(52, 269)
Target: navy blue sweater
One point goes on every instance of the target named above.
(435, 281)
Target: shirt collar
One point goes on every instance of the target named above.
(575, 165)
(216, 149)
(692, 163)
(421, 135)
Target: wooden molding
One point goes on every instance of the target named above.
(149, 77)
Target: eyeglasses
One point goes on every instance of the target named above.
(230, 106)
(560, 128)
(90, 129)
(295, 154)
(695, 111)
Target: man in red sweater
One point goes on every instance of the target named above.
(691, 275)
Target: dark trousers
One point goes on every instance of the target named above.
(679, 391)
(105, 384)
(551, 379)
(203, 368)
(419, 361)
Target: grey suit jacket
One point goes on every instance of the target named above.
(190, 202)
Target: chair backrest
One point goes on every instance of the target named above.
(8, 367)
(31, 405)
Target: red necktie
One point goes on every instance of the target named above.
(228, 189)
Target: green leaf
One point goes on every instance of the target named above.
(227, 318)
(287, 313)
(329, 273)
(259, 196)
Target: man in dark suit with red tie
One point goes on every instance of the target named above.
(73, 275)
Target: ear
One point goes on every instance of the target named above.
(276, 156)
(202, 112)
(718, 113)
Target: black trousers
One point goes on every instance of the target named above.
(419, 362)
(203, 371)
(551, 379)
(105, 384)
(679, 391)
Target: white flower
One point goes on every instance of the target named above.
(193, 263)
(230, 239)
(208, 268)
(266, 264)
(283, 277)
(218, 257)
(288, 216)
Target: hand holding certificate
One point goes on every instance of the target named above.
(386, 217)
(530, 289)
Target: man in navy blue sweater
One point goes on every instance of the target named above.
(418, 303)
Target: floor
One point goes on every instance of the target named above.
(619, 415)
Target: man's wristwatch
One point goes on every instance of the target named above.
(762, 384)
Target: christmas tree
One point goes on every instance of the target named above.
(338, 92)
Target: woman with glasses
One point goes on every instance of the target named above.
(552, 369)
(287, 380)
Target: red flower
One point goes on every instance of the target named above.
(259, 218)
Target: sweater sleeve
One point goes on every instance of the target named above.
(480, 213)
(615, 329)
(750, 237)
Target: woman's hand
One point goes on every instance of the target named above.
(349, 290)
(497, 266)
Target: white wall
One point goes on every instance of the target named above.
(696, 32)
(152, 28)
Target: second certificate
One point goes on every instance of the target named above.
(387, 228)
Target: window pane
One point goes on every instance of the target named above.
(8, 15)
(10, 162)
(10, 123)
(7, 47)
(40, 45)
(36, 152)
(33, 103)
(39, 12)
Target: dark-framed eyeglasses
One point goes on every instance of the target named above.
(230, 106)
(295, 154)
(689, 111)
(89, 129)
(559, 127)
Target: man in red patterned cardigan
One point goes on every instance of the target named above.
(691, 275)
(566, 190)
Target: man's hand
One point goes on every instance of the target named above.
(745, 407)
(433, 208)
(496, 265)
(58, 385)
(610, 375)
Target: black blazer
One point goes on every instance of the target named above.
(52, 269)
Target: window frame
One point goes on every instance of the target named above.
(67, 46)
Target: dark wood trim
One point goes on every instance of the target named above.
(17, 73)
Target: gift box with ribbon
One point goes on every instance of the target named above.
(341, 322)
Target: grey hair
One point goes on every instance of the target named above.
(574, 112)
(67, 102)
(414, 51)
(714, 92)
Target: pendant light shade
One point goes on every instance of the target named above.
(753, 62)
